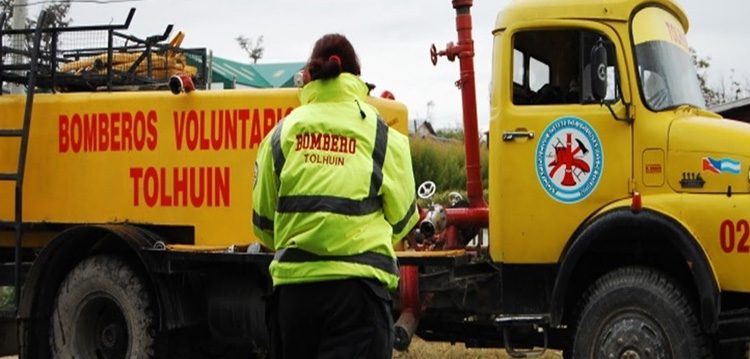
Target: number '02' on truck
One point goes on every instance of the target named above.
(616, 223)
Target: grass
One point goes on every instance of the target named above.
(7, 297)
(443, 163)
(421, 349)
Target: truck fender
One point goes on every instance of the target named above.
(52, 265)
(679, 238)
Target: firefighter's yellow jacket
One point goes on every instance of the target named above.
(334, 188)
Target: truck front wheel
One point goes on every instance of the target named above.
(637, 312)
(103, 310)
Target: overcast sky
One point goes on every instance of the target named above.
(392, 38)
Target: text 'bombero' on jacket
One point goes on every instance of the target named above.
(334, 188)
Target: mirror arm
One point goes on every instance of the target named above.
(628, 118)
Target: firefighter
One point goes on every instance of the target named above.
(333, 192)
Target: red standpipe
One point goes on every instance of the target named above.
(465, 52)
(477, 214)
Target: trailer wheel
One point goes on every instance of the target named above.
(102, 310)
(637, 312)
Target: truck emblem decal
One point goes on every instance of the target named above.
(569, 159)
(692, 180)
(724, 165)
(653, 168)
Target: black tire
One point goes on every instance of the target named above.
(103, 310)
(637, 312)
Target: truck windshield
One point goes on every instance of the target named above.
(665, 67)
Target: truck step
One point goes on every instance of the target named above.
(522, 320)
(540, 323)
(8, 176)
(11, 133)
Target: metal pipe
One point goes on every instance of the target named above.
(29, 106)
(411, 307)
(468, 216)
(465, 52)
(23, 30)
(452, 238)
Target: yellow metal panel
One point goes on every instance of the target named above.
(520, 11)
(653, 24)
(148, 157)
(695, 142)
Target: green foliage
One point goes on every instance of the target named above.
(453, 134)
(444, 164)
(7, 296)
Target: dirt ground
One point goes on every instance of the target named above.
(420, 349)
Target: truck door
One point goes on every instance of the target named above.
(557, 155)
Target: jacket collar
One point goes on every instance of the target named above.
(345, 87)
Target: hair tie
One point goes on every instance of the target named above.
(336, 59)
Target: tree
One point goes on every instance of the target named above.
(729, 89)
(6, 6)
(702, 64)
(254, 49)
(57, 16)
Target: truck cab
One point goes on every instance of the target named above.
(617, 202)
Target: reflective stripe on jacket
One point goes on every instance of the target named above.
(334, 188)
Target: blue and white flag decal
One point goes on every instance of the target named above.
(724, 165)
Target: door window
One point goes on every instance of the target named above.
(553, 67)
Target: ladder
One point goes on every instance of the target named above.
(23, 134)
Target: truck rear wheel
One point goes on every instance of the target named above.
(637, 312)
(102, 310)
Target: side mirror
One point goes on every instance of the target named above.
(599, 71)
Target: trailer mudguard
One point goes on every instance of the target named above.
(53, 264)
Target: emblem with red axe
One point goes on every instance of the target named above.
(566, 156)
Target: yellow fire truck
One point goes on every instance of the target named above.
(615, 226)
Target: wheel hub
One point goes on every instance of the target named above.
(630, 354)
(101, 331)
(109, 335)
(633, 337)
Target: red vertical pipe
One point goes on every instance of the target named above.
(452, 238)
(409, 289)
(411, 307)
(465, 50)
